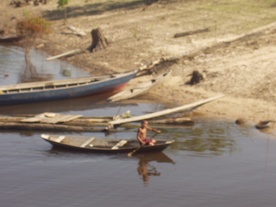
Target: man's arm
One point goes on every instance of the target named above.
(154, 130)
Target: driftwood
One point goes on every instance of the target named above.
(149, 68)
(264, 124)
(66, 54)
(182, 34)
(98, 40)
(76, 31)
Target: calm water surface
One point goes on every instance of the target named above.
(212, 164)
(12, 66)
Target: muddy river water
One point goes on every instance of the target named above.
(214, 163)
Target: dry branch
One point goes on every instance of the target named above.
(149, 68)
(182, 34)
(66, 54)
(76, 31)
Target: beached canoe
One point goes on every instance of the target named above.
(103, 145)
(139, 89)
(62, 89)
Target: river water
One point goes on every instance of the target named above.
(214, 163)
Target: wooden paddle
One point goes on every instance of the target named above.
(131, 153)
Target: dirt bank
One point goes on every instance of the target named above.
(237, 55)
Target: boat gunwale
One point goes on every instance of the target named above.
(98, 149)
(139, 89)
(60, 84)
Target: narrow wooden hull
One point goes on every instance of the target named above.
(62, 89)
(139, 89)
(98, 145)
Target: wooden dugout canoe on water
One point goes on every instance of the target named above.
(103, 145)
(62, 89)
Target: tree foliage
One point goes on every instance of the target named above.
(62, 3)
(31, 26)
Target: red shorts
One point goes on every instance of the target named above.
(148, 141)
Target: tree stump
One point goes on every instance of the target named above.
(98, 40)
(196, 78)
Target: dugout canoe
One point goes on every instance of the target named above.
(139, 89)
(103, 145)
(62, 89)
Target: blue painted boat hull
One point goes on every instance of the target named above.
(61, 89)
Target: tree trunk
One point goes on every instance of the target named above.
(30, 70)
(98, 40)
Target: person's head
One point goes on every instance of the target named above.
(144, 123)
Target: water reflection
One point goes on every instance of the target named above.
(12, 66)
(206, 139)
(77, 104)
(146, 169)
(147, 163)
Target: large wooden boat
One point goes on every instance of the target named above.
(62, 89)
(103, 145)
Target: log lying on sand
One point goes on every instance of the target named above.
(76, 31)
(182, 34)
(66, 54)
(150, 68)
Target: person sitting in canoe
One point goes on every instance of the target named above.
(142, 134)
